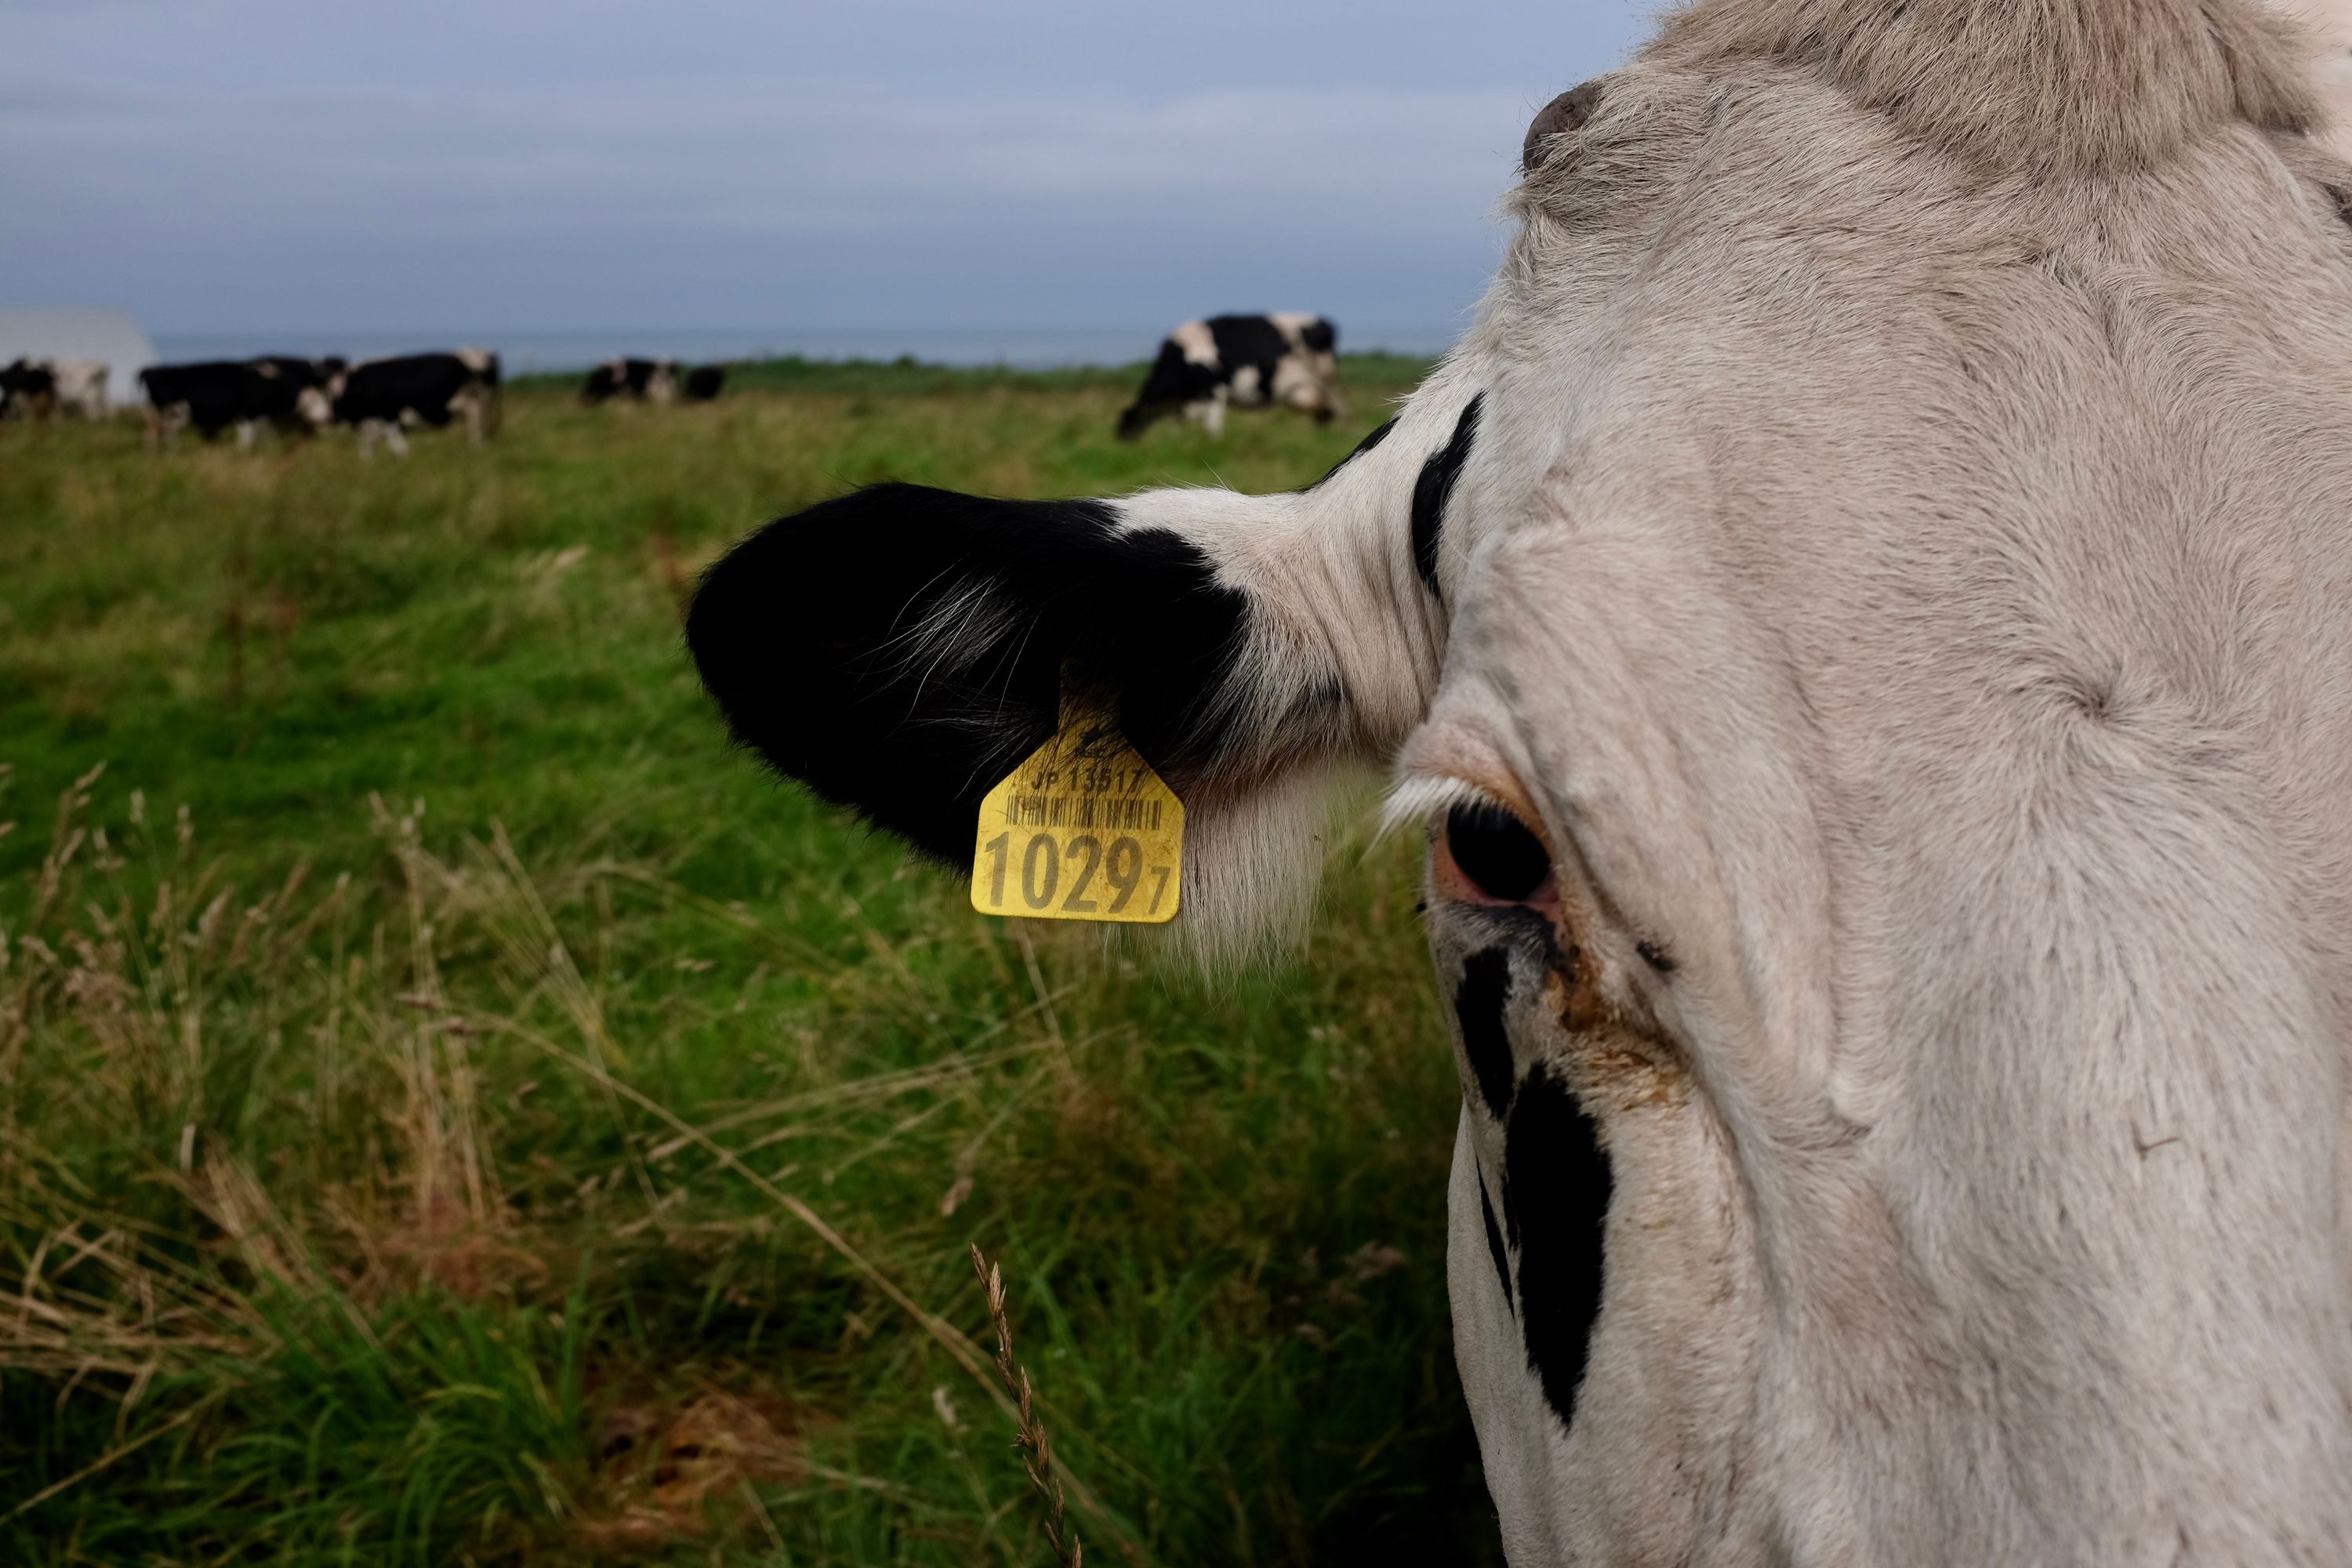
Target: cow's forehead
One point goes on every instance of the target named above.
(1802, 430)
(1746, 317)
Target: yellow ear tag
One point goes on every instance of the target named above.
(1084, 830)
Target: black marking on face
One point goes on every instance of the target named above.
(1655, 956)
(1378, 434)
(1495, 851)
(1494, 1245)
(1434, 488)
(801, 634)
(1484, 991)
(1555, 1188)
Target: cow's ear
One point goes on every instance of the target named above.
(899, 649)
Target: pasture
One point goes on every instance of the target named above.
(453, 1110)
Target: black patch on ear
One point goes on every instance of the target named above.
(1495, 1245)
(1555, 1188)
(1378, 434)
(802, 634)
(1478, 1001)
(1434, 488)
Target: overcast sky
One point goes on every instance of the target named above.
(216, 166)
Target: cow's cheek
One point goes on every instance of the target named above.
(1664, 1406)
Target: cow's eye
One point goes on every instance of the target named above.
(1495, 850)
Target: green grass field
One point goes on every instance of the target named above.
(453, 1111)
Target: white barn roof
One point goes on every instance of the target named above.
(109, 335)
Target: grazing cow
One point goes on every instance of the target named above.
(638, 380)
(383, 398)
(214, 395)
(704, 382)
(41, 388)
(28, 389)
(1250, 361)
(1862, 619)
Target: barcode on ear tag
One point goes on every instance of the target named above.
(1083, 830)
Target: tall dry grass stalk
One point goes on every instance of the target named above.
(289, 1084)
(1029, 1435)
(150, 1011)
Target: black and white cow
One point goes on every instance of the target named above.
(385, 398)
(705, 382)
(1860, 623)
(281, 391)
(638, 380)
(28, 389)
(41, 388)
(1250, 362)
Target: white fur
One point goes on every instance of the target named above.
(1897, 583)
(2331, 24)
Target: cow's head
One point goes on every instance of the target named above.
(1864, 618)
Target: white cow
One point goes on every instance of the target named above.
(1865, 617)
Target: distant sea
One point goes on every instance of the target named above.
(529, 352)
